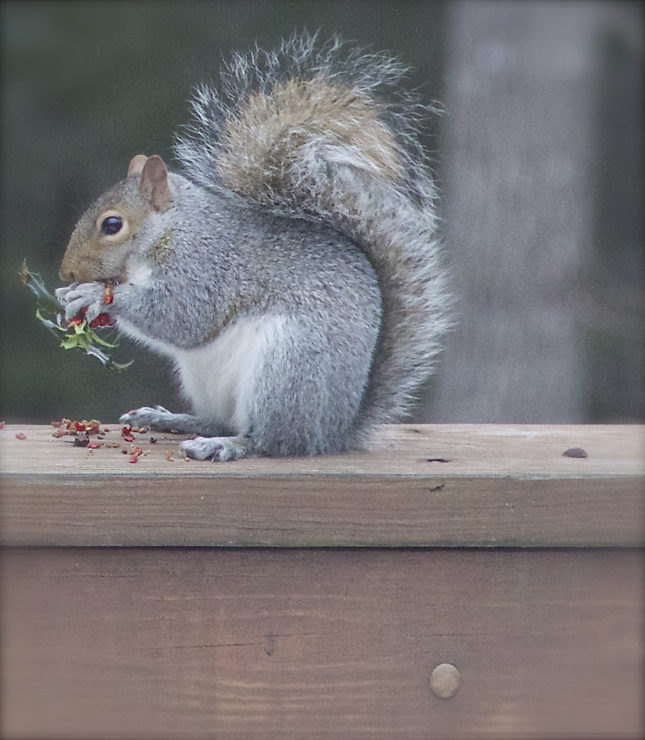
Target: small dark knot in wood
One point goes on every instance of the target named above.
(574, 452)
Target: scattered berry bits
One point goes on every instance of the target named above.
(81, 432)
(135, 453)
(126, 433)
(21, 435)
(79, 427)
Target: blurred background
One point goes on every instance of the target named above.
(537, 154)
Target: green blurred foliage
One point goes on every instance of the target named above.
(87, 85)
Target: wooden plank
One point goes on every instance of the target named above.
(471, 450)
(314, 512)
(320, 644)
(502, 486)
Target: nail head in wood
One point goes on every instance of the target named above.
(575, 452)
(444, 680)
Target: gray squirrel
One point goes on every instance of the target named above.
(292, 270)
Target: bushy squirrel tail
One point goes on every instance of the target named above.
(303, 130)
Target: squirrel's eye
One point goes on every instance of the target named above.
(111, 225)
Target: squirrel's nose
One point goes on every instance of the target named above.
(67, 275)
(70, 269)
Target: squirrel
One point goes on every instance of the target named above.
(291, 270)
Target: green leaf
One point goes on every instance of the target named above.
(77, 335)
(49, 324)
(71, 342)
(99, 354)
(107, 360)
(119, 366)
(95, 338)
(35, 283)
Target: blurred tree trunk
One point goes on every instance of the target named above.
(518, 191)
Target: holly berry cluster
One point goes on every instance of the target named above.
(78, 332)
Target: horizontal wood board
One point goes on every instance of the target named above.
(320, 644)
(421, 486)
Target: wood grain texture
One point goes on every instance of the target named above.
(472, 450)
(498, 486)
(314, 644)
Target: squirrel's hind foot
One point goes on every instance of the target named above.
(218, 449)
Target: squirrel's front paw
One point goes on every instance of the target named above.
(82, 295)
(157, 418)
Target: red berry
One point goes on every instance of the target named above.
(126, 433)
(101, 320)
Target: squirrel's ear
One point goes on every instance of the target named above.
(136, 165)
(154, 183)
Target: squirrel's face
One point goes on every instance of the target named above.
(104, 237)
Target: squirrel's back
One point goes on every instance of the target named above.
(304, 131)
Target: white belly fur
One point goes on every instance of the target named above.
(219, 377)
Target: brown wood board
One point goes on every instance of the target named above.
(320, 644)
(499, 486)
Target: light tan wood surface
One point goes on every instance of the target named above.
(483, 450)
(443, 485)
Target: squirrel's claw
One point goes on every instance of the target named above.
(84, 295)
(61, 293)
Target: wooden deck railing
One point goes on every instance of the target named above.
(313, 598)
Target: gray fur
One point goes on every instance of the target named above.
(316, 236)
(232, 259)
(394, 223)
